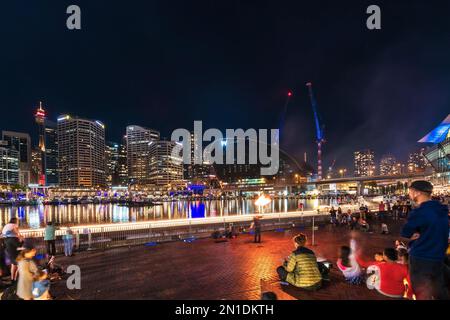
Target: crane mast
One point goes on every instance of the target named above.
(320, 139)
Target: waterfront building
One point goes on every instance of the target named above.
(20, 142)
(438, 152)
(388, 165)
(138, 141)
(112, 163)
(48, 146)
(81, 152)
(9, 164)
(197, 173)
(36, 165)
(122, 170)
(165, 168)
(416, 161)
(364, 161)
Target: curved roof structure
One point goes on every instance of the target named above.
(438, 134)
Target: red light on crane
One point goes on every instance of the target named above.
(289, 93)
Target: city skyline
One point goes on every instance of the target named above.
(161, 68)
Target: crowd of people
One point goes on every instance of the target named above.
(24, 275)
(419, 269)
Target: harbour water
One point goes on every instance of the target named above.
(33, 217)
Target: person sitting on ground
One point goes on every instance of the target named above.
(403, 258)
(301, 269)
(41, 287)
(400, 245)
(388, 277)
(363, 224)
(378, 258)
(348, 265)
(384, 228)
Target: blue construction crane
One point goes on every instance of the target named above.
(319, 131)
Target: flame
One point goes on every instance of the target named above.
(262, 201)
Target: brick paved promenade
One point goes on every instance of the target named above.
(204, 269)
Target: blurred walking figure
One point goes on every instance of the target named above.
(28, 271)
(68, 242)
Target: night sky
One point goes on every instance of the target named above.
(164, 64)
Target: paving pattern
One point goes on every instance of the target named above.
(233, 270)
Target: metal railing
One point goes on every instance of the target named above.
(90, 237)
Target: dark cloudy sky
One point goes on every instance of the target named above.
(230, 63)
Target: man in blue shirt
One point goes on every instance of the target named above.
(50, 238)
(427, 227)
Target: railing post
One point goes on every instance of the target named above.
(313, 230)
(77, 240)
(103, 245)
(89, 239)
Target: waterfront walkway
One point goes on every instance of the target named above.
(204, 269)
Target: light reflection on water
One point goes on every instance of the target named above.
(36, 216)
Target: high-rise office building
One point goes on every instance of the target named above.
(112, 163)
(138, 141)
(364, 161)
(48, 146)
(122, 170)
(9, 164)
(81, 152)
(165, 168)
(416, 161)
(21, 142)
(197, 173)
(389, 165)
(36, 165)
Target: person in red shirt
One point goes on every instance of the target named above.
(388, 277)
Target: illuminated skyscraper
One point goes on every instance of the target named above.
(81, 152)
(112, 163)
(416, 161)
(364, 163)
(388, 165)
(21, 142)
(165, 169)
(48, 146)
(9, 164)
(138, 140)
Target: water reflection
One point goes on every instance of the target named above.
(37, 216)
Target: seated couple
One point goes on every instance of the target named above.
(385, 274)
(301, 268)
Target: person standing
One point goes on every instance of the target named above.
(381, 209)
(12, 240)
(49, 238)
(333, 215)
(256, 226)
(68, 242)
(427, 227)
